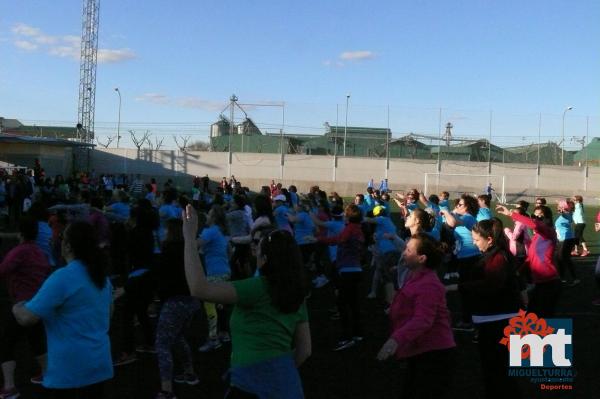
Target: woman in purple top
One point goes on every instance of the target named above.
(420, 320)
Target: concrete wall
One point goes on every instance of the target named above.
(351, 174)
(54, 159)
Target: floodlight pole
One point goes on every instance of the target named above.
(562, 143)
(119, 120)
(346, 125)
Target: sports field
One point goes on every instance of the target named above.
(355, 373)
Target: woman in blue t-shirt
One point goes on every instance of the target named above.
(466, 254)
(214, 245)
(304, 227)
(566, 240)
(75, 305)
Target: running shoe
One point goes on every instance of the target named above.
(574, 253)
(585, 253)
(9, 393)
(210, 345)
(344, 344)
(372, 295)
(358, 339)
(186, 378)
(125, 358)
(145, 349)
(320, 281)
(37, 379)
(574, 282)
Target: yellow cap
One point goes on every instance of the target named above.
(378, 210)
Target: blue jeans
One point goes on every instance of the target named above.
(275, 378)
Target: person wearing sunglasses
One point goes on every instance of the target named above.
(269, 324)
(466, 254)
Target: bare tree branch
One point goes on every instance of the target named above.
(109, 139)
(139, 142)
(157, 143)
(184, 140)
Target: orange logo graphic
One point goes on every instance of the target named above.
(525, 324)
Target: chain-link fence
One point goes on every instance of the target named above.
(349, 129)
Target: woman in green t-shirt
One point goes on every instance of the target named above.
(269, 324)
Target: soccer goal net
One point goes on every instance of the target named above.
(457, 183)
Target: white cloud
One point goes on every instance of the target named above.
(25, 30)
(45, 39)
(154, 98)
(198, 103)
(183, 102)
(357, 55)
(71, 40)
(65, 52)
(25, 45)
(330, 63)
(66, 46)
(117, 55)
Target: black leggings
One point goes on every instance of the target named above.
(494, 362)
(11, 332)
(139, 292)
(95, 391)
(543, 298)
(579, 228)
(563, 257)
(465, 267)
(348, 302)
(429, 375)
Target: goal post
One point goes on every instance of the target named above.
(459, 183)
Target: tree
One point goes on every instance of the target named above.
(109, 139)
(157, 144)
(181, 142)
(139, 142)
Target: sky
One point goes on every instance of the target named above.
(509, 68)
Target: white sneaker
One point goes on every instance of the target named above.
(321, 281)
(447, 276)
(372, 295)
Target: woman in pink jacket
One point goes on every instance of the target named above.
(540, 261)
(420, 321)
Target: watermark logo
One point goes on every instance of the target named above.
(540, 349)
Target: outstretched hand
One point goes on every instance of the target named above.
(190, 223)
(501, 209)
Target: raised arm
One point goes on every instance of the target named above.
(451, 220)
(199, 287)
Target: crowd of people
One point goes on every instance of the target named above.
(251, 261)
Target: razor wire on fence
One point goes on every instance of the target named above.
(367, 131)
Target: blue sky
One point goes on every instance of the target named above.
(177, 63)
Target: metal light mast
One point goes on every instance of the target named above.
(87, 70)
